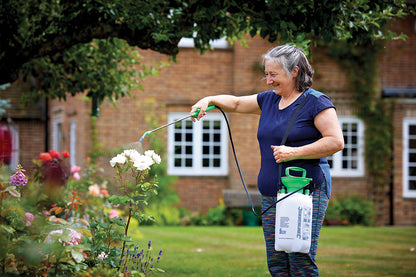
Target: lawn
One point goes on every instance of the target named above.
(240, 251)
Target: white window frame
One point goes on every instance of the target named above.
(15, 147)
(407, 121)
(197, 169)
(337, 159)
(57, 135)
(73, 142)
(221, 43)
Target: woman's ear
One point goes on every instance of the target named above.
(295, 71)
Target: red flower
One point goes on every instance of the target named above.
(55, 154)
(65, 154)
(45, 157)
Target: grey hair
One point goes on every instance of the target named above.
(288, 57)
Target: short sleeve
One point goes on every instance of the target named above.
(323, 102)
(263, 96)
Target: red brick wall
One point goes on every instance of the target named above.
(398, 69)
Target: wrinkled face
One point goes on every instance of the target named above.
(277, 78)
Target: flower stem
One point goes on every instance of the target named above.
(125, 233)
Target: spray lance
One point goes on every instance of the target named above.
(194, 114)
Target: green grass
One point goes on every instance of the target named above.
(240, 251)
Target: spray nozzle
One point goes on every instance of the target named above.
(145, 135)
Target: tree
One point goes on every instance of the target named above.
(41, 36)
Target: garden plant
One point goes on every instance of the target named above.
(57, 223)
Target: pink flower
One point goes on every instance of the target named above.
(29, 219)
(113, 213)
(75, 169)
(75, 237)
(76, 176)
(19, 178)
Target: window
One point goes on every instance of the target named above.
(350, 161)
(73, 142)
(409, 157)
(57, 135)
(198, 149)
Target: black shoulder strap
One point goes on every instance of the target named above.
(292, 121)
(289, 127)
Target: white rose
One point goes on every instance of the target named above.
(153, 155)
(143, 162)
(119, 159)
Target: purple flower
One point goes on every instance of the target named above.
(19, 178)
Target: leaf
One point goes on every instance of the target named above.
(7, 229)
(12, 191)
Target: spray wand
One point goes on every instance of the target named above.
(194, 114)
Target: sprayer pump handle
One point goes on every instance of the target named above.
(195, 114)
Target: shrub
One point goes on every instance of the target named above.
(350, 210)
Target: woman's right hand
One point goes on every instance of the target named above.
(202, 105)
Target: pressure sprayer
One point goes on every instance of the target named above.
(293, 225)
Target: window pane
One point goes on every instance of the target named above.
(188, 150)
(412, 157)
(178, 150)
(217, 150)
(178, 162)
(217, 137)
(205, 137)
(178, 137)
(330, 161)
(217, 162)
(217, 125)
(205, 150)
(412, 143)
(205, 124)
(188, 162)
(412, 185)
(189, 124)
(205, 162)
(412, 171)
(188, 137)
(412, 129)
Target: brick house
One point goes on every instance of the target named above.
(200, 154)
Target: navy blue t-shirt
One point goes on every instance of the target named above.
(272, 127)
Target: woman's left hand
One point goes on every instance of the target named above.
(283, 153)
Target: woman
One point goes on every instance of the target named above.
(315, 135)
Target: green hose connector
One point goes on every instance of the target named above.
(210, 107)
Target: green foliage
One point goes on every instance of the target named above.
(360, 63)
(40, 28)
(350, 210)
(104, 69)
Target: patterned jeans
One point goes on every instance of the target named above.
(294, 264)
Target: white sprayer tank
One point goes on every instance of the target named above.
(294, 215)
